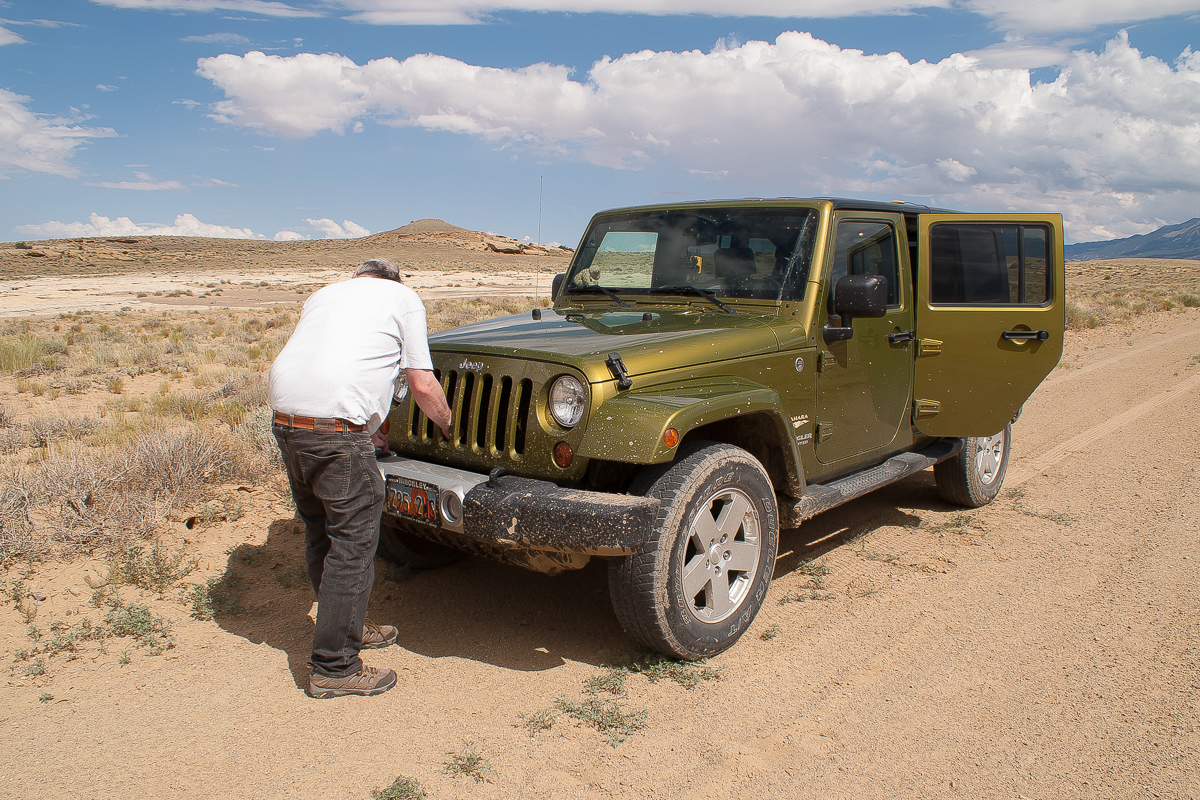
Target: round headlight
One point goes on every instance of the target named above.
(566, 401)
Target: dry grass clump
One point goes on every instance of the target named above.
(1104, 308)
(24, 350)
(82, 497)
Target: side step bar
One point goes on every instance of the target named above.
(824, 496)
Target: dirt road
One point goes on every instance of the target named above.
(1046, 646)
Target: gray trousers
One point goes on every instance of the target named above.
(339, 493)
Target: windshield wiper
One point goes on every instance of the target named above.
(687, 287)
(607, 291)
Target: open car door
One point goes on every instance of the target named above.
(990, 318)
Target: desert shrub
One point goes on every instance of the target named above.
(1189, 300)
(178, 462)
(17, 535)
(1079, 318)
(85, 501)
(157, 569)
(45, 431)
(255, 452)
(13, 439)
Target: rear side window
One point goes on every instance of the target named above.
(972, 263)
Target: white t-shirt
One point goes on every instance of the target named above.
(343, 359)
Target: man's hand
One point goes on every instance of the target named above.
(427, 391)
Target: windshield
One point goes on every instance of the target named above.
(730, 252)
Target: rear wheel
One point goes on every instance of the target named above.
(696, 586)
(973, 477)
(400, 546)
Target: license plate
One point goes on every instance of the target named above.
(412, 500)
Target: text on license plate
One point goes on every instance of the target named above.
(411, 499)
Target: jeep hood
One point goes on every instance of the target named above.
(668, 340)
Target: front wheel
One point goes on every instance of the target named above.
(696, 586)
(973, 477)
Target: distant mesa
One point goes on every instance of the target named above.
(437, 231)
(428, 225)
(1170, 241)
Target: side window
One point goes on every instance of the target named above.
(989, 264)
(867, 248)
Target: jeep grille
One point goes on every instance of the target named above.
(489, 413)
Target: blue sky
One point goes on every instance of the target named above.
(292, 119)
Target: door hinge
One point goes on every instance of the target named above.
(824, 431)
(924, 409)
(825, 360)
(929, 347)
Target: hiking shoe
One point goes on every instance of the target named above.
(377, 636)
(367, 681)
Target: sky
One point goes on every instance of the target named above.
(295, 119)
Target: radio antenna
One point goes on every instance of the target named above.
(537, 280)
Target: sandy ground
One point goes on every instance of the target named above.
(1046, 646)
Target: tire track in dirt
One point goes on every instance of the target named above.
(1092, 435)
(1107, 362)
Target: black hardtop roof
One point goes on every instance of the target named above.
(840, 203)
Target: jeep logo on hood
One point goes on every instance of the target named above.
(474, 366)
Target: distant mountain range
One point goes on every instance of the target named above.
(1170, 241)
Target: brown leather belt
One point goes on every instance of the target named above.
(317, 424)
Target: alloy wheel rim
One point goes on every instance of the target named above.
(989, 457)
(721, 555)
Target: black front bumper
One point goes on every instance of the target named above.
(527, 513)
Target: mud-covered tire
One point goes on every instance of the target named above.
(400, 546)
(689, 593)
(973, 477)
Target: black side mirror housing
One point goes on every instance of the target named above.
(556, 285)
(855, 296)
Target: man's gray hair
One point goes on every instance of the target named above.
(378, 268)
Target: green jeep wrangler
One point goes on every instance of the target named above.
(712, 372)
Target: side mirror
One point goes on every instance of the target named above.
(855, 296)
(556, 285)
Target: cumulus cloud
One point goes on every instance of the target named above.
(332, 230)
(1115, 133)
(38, 142)
(144, 183)
(184, 225)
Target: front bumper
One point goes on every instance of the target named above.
(529, 514)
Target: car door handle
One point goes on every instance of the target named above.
(902, 336)
(1025, 336)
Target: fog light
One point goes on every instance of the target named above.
(563, 455)
(671, 437)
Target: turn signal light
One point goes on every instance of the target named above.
(671, 437)
(563, 455)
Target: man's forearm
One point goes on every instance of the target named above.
(427, 391)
